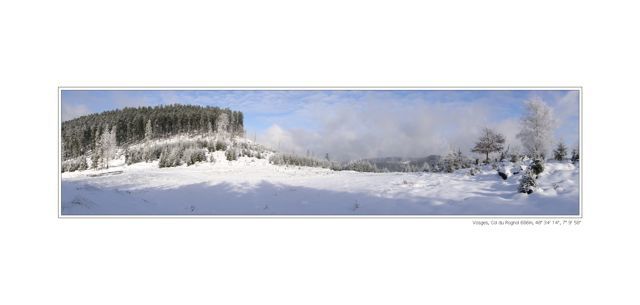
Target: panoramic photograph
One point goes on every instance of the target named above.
(319, 152)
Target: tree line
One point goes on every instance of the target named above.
(129, 125)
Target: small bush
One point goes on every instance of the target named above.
(79, 163)
(515, 158)
(335, 166)
(575, 156)
(146, 153)
(537, 166)
(194, 155)
(231, 155)
(132, 156)
(171, 156)
(221, 145)
(527, 182)
(152, 153)
(474, 171)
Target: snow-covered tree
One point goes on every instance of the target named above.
(108, 145)
(537, 166)
(514, 154)
(455, 160)
(148, 131)
(231, 155)
(489, 142)
(96, 155)
(361, 166)
(537, 128)
(560, 152)
(527, 182)
(222, 126)
(209, 128)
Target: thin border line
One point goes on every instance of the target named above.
(315, 88)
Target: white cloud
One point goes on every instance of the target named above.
(379, 129)
(71, 111)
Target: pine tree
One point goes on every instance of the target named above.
(537, 166)
(575, 155)
(489, 142)
(560, 152)
(527, 182)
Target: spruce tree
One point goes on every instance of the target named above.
(537, 166)
(527, 182)
(560, 152)
(575, 155)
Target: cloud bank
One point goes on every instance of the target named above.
(383, 128)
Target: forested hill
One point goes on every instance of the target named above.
(135, 124)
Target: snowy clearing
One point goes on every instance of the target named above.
(251, 186)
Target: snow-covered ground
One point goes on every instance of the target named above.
(251, 186)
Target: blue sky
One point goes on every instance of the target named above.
(302, 120)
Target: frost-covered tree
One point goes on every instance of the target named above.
(148, 131)
(489, 142)
(96, 154)
(222, 126)
(194, 155)
(108, 145)
(231, 155)
(455, 160)
(514, 154)
(361, 166)
(560, 152)
(537, 128)
(537, 166)
(79, 135)
(221, 145)
(527, 182)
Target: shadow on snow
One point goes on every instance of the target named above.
(267, 198)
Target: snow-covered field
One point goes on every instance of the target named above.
(251, 186)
